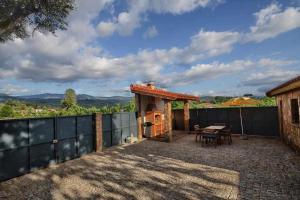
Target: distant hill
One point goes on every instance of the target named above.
(55, 99)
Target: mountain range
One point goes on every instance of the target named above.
(55, 99)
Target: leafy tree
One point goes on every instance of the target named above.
(69, 99)
(130, 106)
(6, 111)
(177, 104)
(267, 101)
(41, 15)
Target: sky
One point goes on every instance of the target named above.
(201, 47)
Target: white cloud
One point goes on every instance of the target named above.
(268, 62)
(150, 32)
(273, 21)
(213, 70)
(106, 28)
(270, 77)
(70, 57)
(11, 89)
(126, 22)
(214, 43)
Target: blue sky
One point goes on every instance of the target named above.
(203, 47)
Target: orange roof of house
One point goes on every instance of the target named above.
(150, 90)
(241, 101)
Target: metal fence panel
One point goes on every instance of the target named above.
(13, 163)
(117, 127)
(85, 125)
(116, 121)
(85, 144)
(41, 155)
(106, 138)
(256, 120)
(41, 131)
(125, 120)
(106, 122)
(66, 127)
(132, 117)
(116, 137)
(125, 133)
(66, 150)
(133, 131)
(13, 134)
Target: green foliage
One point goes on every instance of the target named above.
(41, 15)
(267, 101)
(17, 109)
(69, 99)
(177, 105)
(221, 99)
(6, 111)
(130, 107)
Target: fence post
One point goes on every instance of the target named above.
(98, 131)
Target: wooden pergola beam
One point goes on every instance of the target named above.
(168, 118)
(186, 115)
(139, 117)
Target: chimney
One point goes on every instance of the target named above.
(151, 85)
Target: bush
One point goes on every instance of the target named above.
(6, 111)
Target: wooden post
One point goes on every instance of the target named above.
(168, 119)
(139, 116)
(98, 129)
(186, 116)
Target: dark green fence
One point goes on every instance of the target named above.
(27, 144)
(256, 120)
(117, 127)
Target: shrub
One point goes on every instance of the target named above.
(6, 111)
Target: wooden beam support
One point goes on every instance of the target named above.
(186, 115)
(168, 119)
(139, 116)
(98, 129)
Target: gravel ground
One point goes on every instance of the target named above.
(248, 169)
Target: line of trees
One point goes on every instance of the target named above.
(69, 106)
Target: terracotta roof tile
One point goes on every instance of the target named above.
(164, 94)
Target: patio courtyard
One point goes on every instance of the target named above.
(257, 168)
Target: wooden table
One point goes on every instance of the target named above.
(214, 128)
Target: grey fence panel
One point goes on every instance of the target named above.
(66, 127)
(85, 125)
(132, 117)
(41, 131)
(41, 155)
(106, 122)
(116, 121)
(125, 119)
(28, 144)
(234, 119)
(256, 120)
(133, 131)
(13, 163)
(193, 118)
(66, 150)
(13, 134)
(85, 144)
(85, 135)
(116, 137)
(106, 138)
(117, 127)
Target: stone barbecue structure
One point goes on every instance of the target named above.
(155, 110)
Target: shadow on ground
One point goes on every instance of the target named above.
(256, 168)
